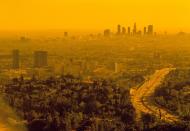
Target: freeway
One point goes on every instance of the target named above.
(142, 100)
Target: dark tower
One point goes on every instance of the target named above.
(65, 34)
(135, 29)
(40, 59)
(129, 31)
(123, 30)
(145, 32)
(150, 30)
(107, 32)
(119, 29)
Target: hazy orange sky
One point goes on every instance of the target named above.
(171, 15)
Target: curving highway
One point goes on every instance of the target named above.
(142, 100)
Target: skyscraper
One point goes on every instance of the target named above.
(150, 29)
(129, 31)
(145, 32)
(40, 59)
(135, 29)
(123, 30)
(107, 32)
(15, 59)
(65, 34)
(119, 29)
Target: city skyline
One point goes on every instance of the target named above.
(171, 16)
(119, 29)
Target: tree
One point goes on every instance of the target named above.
(147, 120)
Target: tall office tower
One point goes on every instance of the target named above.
(129, 31)
(134, 29)
(150, 30)
(123, 30)
(107, 32)
(40, 59)
(15, 59)
(119, 29)
(65, 34)
(145, 32)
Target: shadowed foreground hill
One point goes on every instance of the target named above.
(68, 103)
(8, 119)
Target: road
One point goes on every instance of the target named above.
(142, 97)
